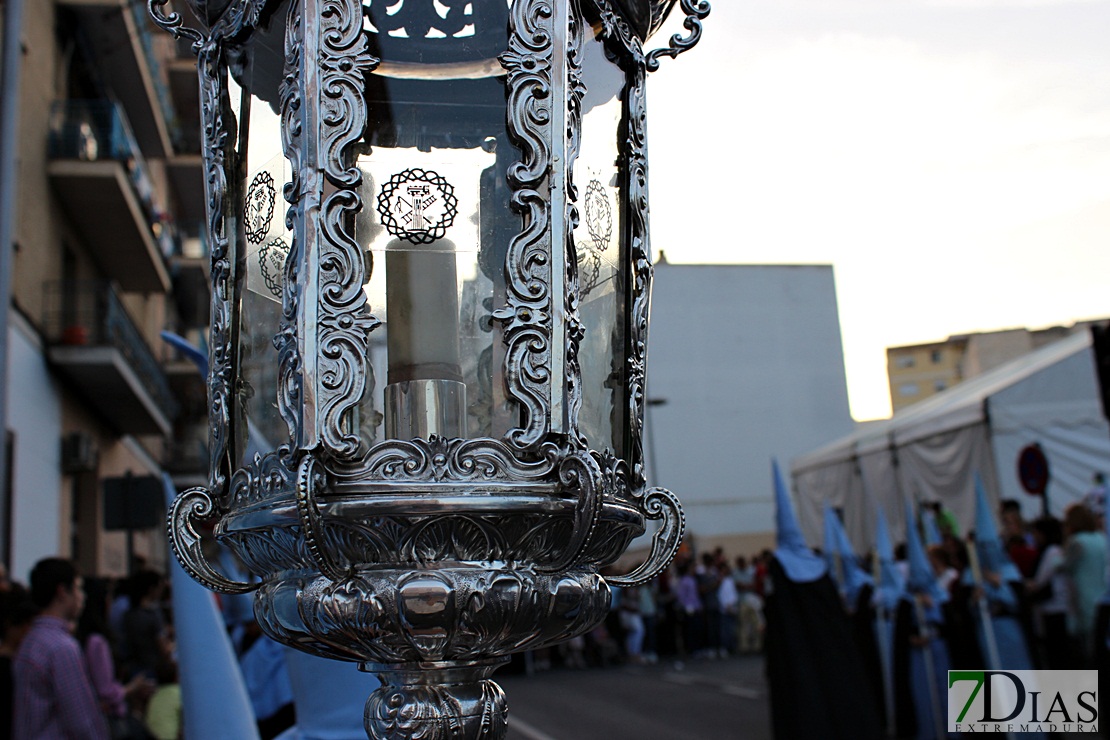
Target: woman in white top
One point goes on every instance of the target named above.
(1050, 591)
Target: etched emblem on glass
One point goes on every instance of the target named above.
(599, 215)
(418, 206)
(599, 223)
(271, 263)
(259, 209)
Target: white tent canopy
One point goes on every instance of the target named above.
(931, 451)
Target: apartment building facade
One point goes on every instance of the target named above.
(107, 254)
(918, 371)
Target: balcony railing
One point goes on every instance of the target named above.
(89, 314)
(161, 90)
(192, 242)
(128, 54)
(188, 457)
(95, 130)
(100, 174)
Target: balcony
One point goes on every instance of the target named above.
(186, 168)
(187, 463)
(192, 290)
(94, 344)
(186, 175)
(102, 182)
(184, 88)
(121, 39)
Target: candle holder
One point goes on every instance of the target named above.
(426, 382)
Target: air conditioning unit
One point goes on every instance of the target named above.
(79, 453)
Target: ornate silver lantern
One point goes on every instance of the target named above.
(426, 379)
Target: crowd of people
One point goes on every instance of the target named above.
(707, 606)
(1063, 569)
(1038, 587)
(1053, 592)
(710, 606)
(88, 658)
(95, 658)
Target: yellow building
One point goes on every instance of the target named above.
(106, 254)
(918, 371)
(921, 370)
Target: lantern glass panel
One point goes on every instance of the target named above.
(601, 247)
(258, 229)
(437, 224)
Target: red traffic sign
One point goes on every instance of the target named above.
(1032, 468)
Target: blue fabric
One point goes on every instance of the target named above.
(238, 609)
(922, 579)
(853, 576)
(1013, 654)
(330, 697)
(929, 525)
(213, 696)
(919, 683)
(1012, 650)
(1106, 596)
(257, 444)
(892, 587)
(267, 679)
(987, 541)
(883, 627)
(182, 345)
(801, 564)
(831, 550)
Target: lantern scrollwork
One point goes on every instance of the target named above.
(426, 381)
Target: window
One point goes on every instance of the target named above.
(904, 361)
(908, 389)
(936, 356)
(939, 385)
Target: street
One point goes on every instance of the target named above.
(702, 699)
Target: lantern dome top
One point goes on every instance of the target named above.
(645, 16)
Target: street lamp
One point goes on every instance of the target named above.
(427, 364)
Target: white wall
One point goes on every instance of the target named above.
(1058, 408)
(35, 416)
(749, 361)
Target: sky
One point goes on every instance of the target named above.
(949, 158)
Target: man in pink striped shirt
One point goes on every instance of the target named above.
(54, 697)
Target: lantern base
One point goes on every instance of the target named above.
(455, 700)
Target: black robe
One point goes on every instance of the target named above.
(819, 688)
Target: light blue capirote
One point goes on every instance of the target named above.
(1000, 635)
(257, 444)
(928, 662)
(892, 586)
(890, 589)
(851, 576)
(214, 699)
(922, 579)
(801, 564)
(988, 543)
(329, 694)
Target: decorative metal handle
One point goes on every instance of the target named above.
(312, 522)
(580, 471)
(174, 23)
(696, 11)
(191, 505)
(659, 503)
